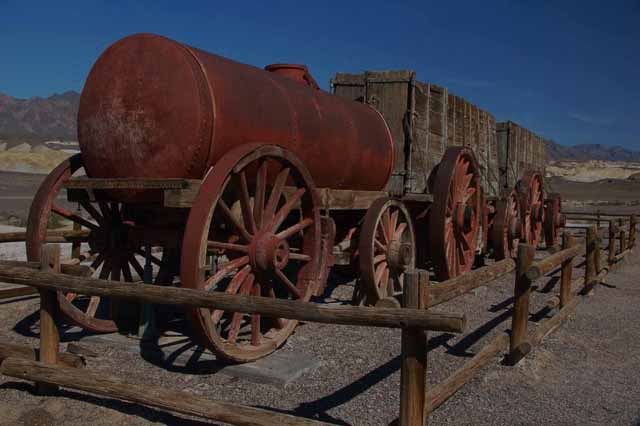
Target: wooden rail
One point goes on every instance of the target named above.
(52, 236)
(277, 308)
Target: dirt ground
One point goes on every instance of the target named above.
(585, 373)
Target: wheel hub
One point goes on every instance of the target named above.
(268, 252)
(398, 255)
(112, 237)
(464, 216)
(514, 228)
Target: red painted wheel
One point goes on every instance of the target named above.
(249, 234)
(454, 219)
(387, 247)
(505, 228)
(532, 210)
(109, 241)
(554, 219)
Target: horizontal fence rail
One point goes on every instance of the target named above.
(290, 309)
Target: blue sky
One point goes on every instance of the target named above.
(569, 70)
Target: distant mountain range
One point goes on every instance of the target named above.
(38, 119)
(555, 151)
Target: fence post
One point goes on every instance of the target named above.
(413, 373)
(49, 336)
(520, 316)
(566, 272)
(623, 239)
(632, 231)
(612, 243)
(590, 265)
(598, 218)
(596, 251)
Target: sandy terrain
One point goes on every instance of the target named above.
(591, 171)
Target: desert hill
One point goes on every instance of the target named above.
(38, 119)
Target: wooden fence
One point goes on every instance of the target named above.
(50, 369)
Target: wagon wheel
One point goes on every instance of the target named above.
(108, 241)
(554, 219)
(531, 206)
(505, 229)
(387, 247)
(455, 216)
(244, 236)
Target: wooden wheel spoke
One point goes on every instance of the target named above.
(392, 224)
(299, 256)
(105, 209)
(98, 261)
(280, 322)
(227, 246)
(236, 320)
(245, 203)
(154, 259)
(379, 245)
(379, 258)
(234, 328)
(93, 212)
(261, 191)
(379, 272)
(94, 302)
(126, 272)
(234, 221)
(136, 265)
(387, 282)
(399, 231)
(276, 193)
(294, 229)
(282, 214)
(385, 226)
(225, 270)
(106, 269)
(290, 286)
(255, 319)
(232, 288)
(70, 296)
(461, 254)
(73, 217)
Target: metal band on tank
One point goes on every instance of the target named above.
(391, 141)
(203, 82)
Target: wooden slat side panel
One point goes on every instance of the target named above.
(349, 86)
(420, 142)
(388, 92)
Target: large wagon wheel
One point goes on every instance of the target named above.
(108, 241)
(554, 219)
(387, 247)
(531, 206)
(455, 215)
(505, 230)
(244, 236)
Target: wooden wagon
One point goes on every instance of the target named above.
(255, 182)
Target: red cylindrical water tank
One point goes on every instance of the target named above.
(156, 108)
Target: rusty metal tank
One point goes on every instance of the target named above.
(155, 108)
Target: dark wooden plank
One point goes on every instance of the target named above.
(413, 370)
(49, 335)
(279, 308)
(180, 402)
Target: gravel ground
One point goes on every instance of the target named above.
(585, 373)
